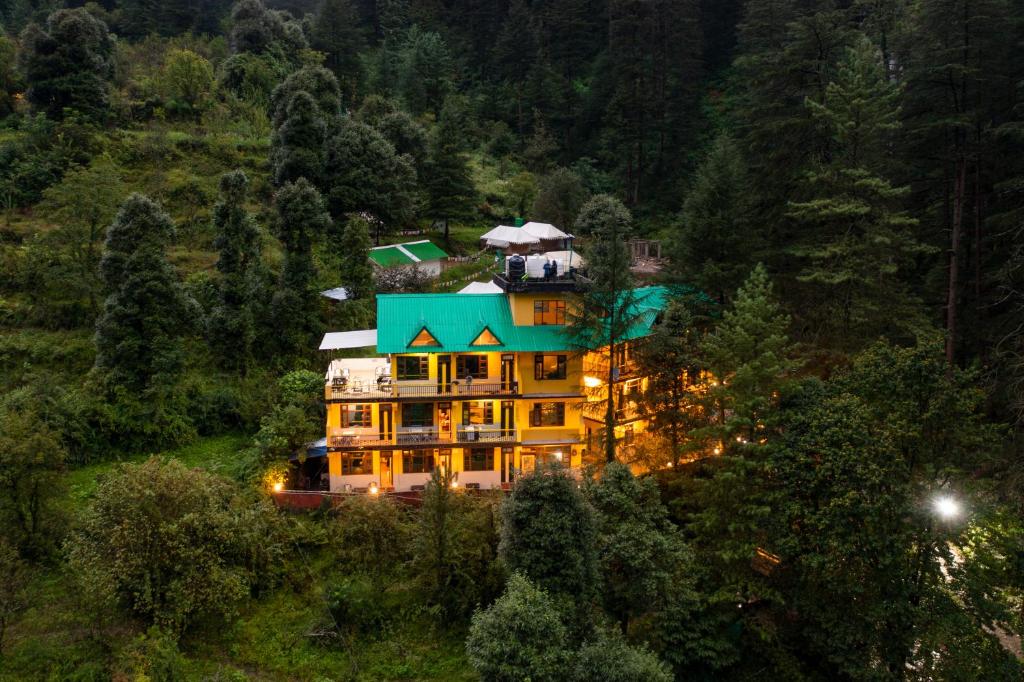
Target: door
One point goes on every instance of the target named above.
(508, 372)
(386, 427)
(508, 417)
(385, 470)
(444, 374)
(444, 421)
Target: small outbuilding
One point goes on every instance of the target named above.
(422, 255)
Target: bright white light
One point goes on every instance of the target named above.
(947, 507)
(591, 382)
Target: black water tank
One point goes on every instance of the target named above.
(516, 267)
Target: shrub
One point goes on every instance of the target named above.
(609, 658)
(520, 637)
(371, 535)
(171, 545)
(153, 657)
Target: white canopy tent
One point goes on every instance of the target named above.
(361, 338)
(338, 294)
(544, 231)
(480, 288)
(504, 236)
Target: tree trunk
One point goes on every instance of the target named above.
(954, 253)
(609, 415)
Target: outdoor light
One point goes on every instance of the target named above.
(591, 382)
(373, 490)
(278, 486)
(455, 483)
(946, 507)
(558, 455)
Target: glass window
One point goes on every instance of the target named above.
(411, 367)
(549, 312)
(356, 463)
(479, 459)
(479, 412)
(417, 461)
(549, 366)
(424, 338)
(547, 414)
(418, 414)
(471, 366)
(358, 416)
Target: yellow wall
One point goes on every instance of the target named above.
(522, 305)
(527, 384)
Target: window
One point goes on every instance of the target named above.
(412, 367)
(547, 414)
(549, 366)
(479, 459)
(486, 338)
(471, 366)
(481, 412)
(358, 416)
(418, 414)
(417, 461)
(549, 312)
(356, 463)
(424, 338)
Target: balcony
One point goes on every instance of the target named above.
(387, 390)
(566, 283)
(424, 437)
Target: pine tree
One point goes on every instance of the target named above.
(857, 242)
(356, 270)
(146, 312)
(318, 83)
(425, 73)
(297, 146)
(749, 356)
(232, 325)
(448, 183)
(675, 397)
(300, 219)
(719, 237)
(608, 306)
(338, 34)
(69, 64)
(560, 197)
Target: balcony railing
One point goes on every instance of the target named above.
(425, 436)
(386, 390)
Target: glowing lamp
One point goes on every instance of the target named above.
(591, 382)
(373, 490)
(278, 486)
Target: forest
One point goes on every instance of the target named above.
(835, 489)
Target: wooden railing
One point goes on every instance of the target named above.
(354, 390)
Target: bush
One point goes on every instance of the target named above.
(520, 637)
(371, 535)
(356, 605)
(608, 658)
(153, 657)
(172, 545)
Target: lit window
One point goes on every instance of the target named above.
(547, 414)
(424, 338)
(478, 412)
(549, 312)
(417, 461)
(356, 463)
(549, 366)
(486, 338)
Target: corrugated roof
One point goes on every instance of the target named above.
(388, 256)
(425, 250)
(456, 321)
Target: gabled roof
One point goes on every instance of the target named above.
(480, 288)
(544, 231)
(456, 321)
(406, 254)
(503, 235)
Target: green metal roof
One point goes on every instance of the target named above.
(388, 256)
(425, 250)
(406, 254)
(456, 320)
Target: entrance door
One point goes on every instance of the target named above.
(386, 428)
(444, 421)
(508, 372)
(386, 479)
(444, 374)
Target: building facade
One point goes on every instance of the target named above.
(483, 386)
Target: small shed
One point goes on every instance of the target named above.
(422, 255)
(510, 239)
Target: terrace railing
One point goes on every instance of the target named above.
(425, 436)
(389, 390)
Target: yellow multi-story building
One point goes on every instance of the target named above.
(482, 385)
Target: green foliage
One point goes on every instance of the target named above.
(9, 79)
(173, 545)
(519, 637)
(187, 83)
(548, 534)
(153, 656)
(718, 238)
(297, 146)
(301, 218)
(454, 547)
(337, 32)
(318, 83)
(447, 181)
(232, 323)
(356, 270)
(641, 555)
(146, 311)
(68, 64)
(372, 535)
(560, 197)
(31, 461)
(425, 71)
(609, 658)
(13, 583)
